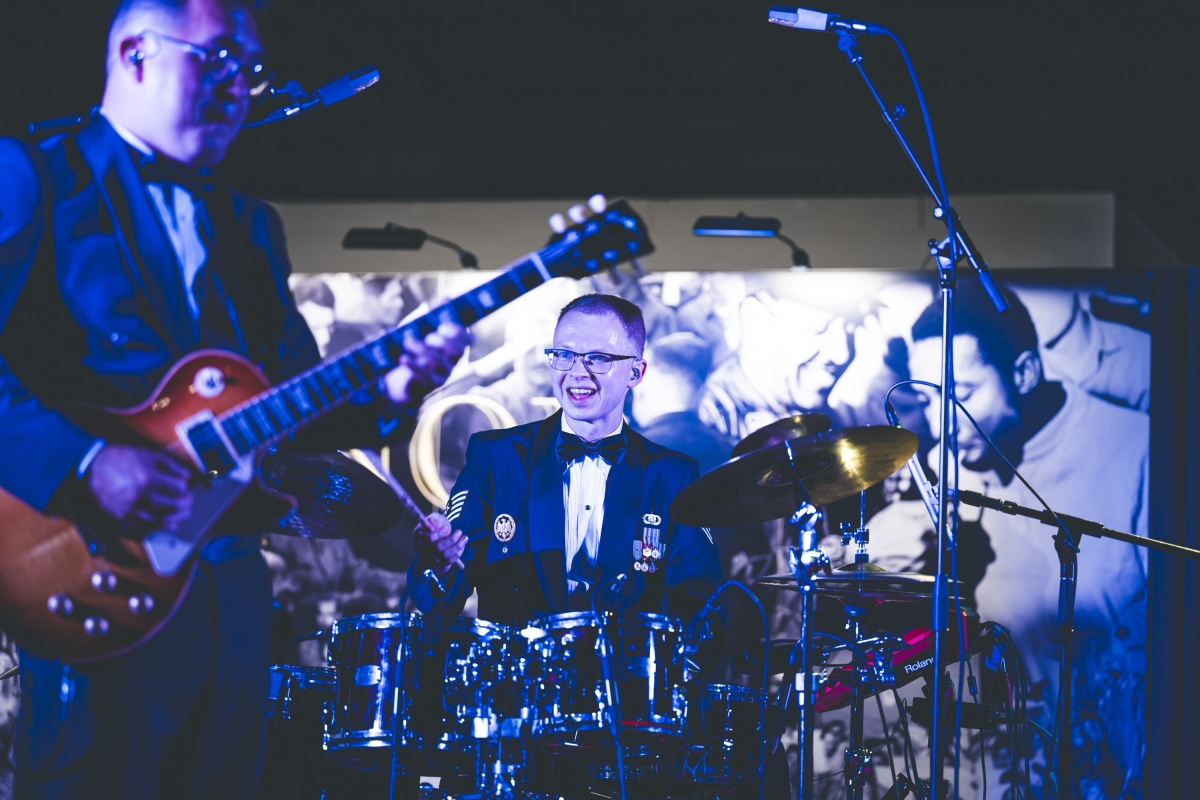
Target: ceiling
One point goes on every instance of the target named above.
(558, 98)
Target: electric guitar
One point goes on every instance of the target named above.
(74, 593)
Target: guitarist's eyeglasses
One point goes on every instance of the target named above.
(220, 62)
(595, 363)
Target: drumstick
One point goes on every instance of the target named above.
(414, 509)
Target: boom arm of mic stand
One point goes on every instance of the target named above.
(849, 45)
(1076, 525)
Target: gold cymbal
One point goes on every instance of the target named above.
(781, 430)
(761, 484)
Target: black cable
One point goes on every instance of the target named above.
(908, 752)
(995, 449)
(766, 676)
(887, 735)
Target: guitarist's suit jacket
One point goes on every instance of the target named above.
(93, 309)
(515, 474)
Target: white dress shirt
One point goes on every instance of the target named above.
(177, 209)
(584, 483)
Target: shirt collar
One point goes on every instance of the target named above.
(130, 138)
(567, 428)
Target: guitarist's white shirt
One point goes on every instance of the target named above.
(177, 209)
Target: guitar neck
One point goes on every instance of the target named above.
(284, 409)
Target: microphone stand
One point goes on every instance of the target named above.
(1067, 540)
(956, 245)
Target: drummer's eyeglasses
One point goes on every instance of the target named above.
(220, 62)
(595, 363)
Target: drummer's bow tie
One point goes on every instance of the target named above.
(571, 447)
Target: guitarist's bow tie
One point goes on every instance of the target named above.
(160, 169)
(571, 447)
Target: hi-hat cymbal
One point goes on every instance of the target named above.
(781, 430)
(761, 484)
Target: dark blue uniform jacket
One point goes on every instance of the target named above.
(516, 472)
(92, 304)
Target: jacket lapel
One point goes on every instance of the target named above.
(153, 265)
(622, 510)
(547, 517)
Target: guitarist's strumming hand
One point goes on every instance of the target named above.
(144, 490)
(426, 364)
(442, 545)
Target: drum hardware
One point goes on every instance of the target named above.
(694, 627)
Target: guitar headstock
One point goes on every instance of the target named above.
(615, 236)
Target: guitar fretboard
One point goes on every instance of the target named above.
(283, 409)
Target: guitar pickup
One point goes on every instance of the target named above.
(210, 449)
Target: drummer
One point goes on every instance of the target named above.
(546, 514)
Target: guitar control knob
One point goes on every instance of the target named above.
(141, 604)
(95, 626)
(60, 605)
(104, 581)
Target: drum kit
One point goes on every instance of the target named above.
(534, 712)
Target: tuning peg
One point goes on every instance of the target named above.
(558, 223)
(578, 213)
(597, 203)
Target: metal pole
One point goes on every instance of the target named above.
(941, 593)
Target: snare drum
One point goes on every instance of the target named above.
(452, 671)
(295, 762)
(648, 664)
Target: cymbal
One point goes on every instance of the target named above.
(781, 430)
(760, 485)
(904, 587)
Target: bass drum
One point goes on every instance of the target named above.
(444, 674)
(295, 763)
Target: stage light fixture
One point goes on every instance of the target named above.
(752, 227)
(397, 237)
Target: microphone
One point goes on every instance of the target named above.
(327, 95)
(809, 20)
(928, 493)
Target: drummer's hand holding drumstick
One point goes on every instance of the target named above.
(445, 546)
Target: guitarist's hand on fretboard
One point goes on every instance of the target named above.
(426, 363)
(141, 489)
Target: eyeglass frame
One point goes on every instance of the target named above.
(550, 351)
(213, 59)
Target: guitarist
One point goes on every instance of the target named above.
(118, 255)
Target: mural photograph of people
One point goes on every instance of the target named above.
(730, 352)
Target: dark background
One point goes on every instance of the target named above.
(560, 98)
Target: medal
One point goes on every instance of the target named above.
(648, 550)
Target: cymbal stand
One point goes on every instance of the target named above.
(805, 562)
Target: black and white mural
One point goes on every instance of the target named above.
(1061, 383)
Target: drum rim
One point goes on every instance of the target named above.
(389, 620)
(358, 622)
(309, 674)
(586, 619)
(728, 691)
